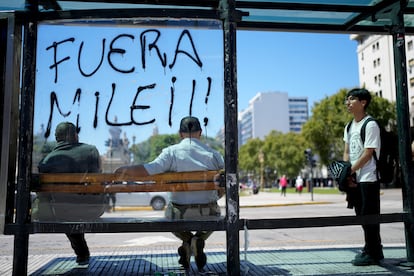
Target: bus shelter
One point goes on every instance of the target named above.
(138, 66)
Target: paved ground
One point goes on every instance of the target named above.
(162, 259)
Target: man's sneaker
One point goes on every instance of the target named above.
(185, 254)
(82, 260)
(197, 245)
(364, 259)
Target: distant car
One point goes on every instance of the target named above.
(157, 200)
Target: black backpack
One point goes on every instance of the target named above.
(386, 164)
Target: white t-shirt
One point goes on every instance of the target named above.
(368, 173)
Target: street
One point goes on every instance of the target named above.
(392, 233)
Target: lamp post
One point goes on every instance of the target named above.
(261, 161)
(311, 162)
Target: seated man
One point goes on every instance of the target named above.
(70, 156)
(188, 155)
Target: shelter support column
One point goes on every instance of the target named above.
(21, 237)
(227, 8)
(403, 124)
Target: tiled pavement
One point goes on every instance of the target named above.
(310, 261)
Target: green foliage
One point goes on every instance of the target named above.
(281, 152)
(284, 152)
(324, 129)
(249, 156)
(385, 112)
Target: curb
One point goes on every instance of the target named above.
(149, 208)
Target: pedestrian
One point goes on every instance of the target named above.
(364, 167)
(70, 156)
(299, 184)
(190, 154)
(283, 185)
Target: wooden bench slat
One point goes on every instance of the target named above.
(111, 177)
(126, 188)
(110, 183)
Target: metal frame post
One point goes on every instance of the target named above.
(21, 238)
(403, 127)
(231, 137)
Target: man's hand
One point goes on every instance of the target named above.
(352, 181)
(220, 183)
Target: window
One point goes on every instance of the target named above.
(410, 45)
(410, 64)
(379, 93)
(375, 46)
(412, 82)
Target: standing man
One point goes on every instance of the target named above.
(188, 155)
(70, 156)
(364, 166)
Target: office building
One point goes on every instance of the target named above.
(298, 113)
(272, 111)
(376, 66)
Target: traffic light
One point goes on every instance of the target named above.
(310, 158)
(308, 154)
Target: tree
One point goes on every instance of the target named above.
(249, 156)
(281, 152)
(285, 152)
(324, 130)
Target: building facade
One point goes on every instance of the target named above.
(376, 66)
(272, 111)
(298, 113)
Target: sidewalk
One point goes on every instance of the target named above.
(162, 258)
(267, 199)
(263, 262)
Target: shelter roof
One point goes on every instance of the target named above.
(334, 16)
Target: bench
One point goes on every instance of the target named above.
(114, 183)
(81, 196)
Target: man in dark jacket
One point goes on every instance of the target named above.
(70, 156)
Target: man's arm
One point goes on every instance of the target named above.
(135, 170)
(345, 156)
(363, 159)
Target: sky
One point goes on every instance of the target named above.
(97, 74)
(300, 64)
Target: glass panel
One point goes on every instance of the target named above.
(81, 5)
(125, 86)
(324, 2)
(7, 5)
(281, 16)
